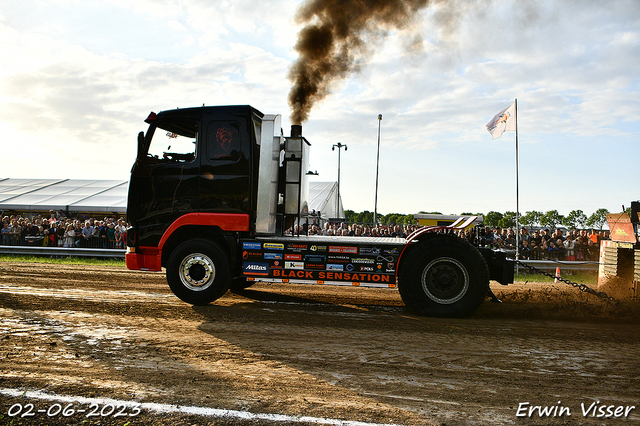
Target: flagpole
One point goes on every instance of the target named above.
(517, 196)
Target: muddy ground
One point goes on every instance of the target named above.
(339, 355)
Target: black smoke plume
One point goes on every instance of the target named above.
(334, 40)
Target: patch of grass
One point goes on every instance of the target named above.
(65, 260)
(582, 277)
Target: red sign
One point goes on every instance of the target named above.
(621, 228)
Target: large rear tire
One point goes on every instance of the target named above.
(443, 275)
(198, 272)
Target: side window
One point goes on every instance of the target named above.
(224, 141)
(174, 142)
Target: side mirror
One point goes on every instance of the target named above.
(140, 145)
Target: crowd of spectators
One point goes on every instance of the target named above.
(575, 245)
(108, 233)
(540, 244)
(353, 230)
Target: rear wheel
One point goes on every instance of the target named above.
(198, 272)
(443, 275)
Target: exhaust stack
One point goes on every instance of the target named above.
(296, 163)
(296, 130)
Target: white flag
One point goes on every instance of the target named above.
(504, 120)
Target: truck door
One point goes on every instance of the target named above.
(164, 180)
(225, 180)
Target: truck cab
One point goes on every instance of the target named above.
(194, 160)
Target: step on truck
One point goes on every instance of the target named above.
(213, 191)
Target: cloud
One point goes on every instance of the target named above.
(59, 94)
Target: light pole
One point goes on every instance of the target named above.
(333, 148)
(375, 208)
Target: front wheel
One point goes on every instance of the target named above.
(198, 272)
(443, 275)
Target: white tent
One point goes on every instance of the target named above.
(66, 195)
(323, 198)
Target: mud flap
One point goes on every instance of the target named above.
(501, 269)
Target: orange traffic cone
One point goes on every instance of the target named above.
(557, 274)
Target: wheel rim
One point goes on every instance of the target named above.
(197, 272)
(445, 280)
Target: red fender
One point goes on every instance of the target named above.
(151, 257)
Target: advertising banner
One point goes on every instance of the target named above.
(330, 261)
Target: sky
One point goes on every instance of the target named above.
(78, 77)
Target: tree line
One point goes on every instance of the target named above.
(387, 219)
(576, 219)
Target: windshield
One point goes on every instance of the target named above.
(173, 142)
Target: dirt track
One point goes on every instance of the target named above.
(331, 353)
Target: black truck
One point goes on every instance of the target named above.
(213, 190)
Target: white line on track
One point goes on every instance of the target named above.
(169, 408)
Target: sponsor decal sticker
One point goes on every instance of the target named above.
(297, 247)
(318, 248)
(294, 265)
(251, 254)
(315, 258)
(333, 267)
(386, 258)
(256, 268)
(343, 249)
(363, 261)
(292, 257)
(349, 267)
(314, 266)
(273, 256)
(273, 246)
(247, 245)
(369, 250)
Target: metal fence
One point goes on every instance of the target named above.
(63, 252)
(79, 241)
(552, 265)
